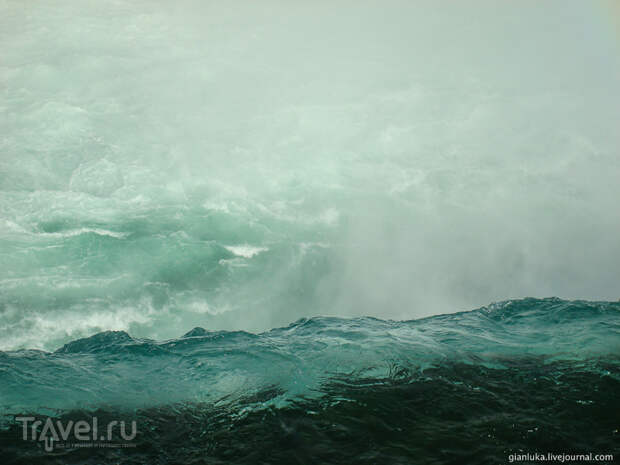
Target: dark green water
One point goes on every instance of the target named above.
(458, 413)
(323, 190)
(523, 376)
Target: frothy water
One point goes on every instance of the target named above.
(239, 166)
(322, 191)
(473, 387)
(113, 369)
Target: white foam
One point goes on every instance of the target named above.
(80, 231)
(245, 251)
(49, 331)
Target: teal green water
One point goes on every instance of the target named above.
(322, 191)
(300, 361)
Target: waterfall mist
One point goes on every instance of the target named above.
(240, 165)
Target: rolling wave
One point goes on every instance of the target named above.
(520, 375)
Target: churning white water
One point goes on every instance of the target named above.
(165, 165)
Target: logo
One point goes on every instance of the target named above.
(74, 434)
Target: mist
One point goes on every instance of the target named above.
(241, 165)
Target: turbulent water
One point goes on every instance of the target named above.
(318, 188)
(525, 375)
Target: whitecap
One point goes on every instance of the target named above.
(80, 231)
(245, 250)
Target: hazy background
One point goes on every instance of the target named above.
(243, 164)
